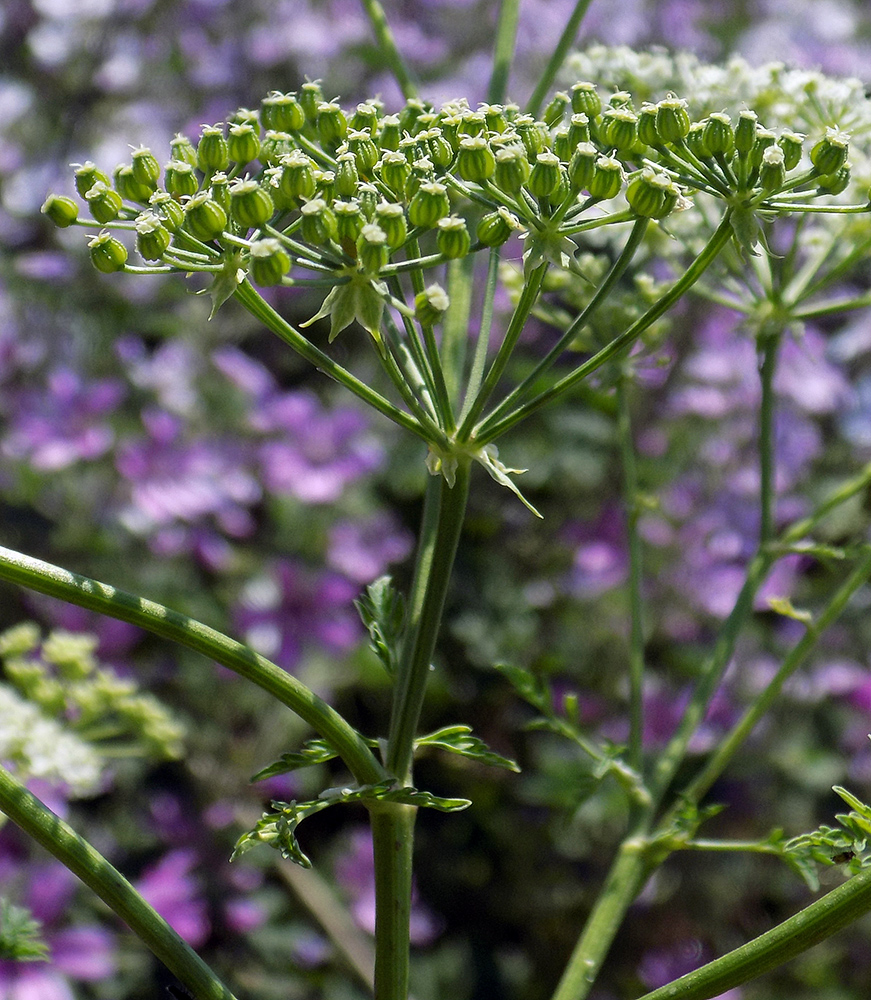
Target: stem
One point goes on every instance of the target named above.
(444, 511)
(698, 267)
(87, 593)
(566, 41)
(476, 374)
(823, 918)
(767, 489)
(503, 50)
(387, 45)
(255, 304)
(57, 837)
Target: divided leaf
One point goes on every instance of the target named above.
(459, 740)
(382, 611)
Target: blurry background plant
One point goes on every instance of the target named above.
(175, 440)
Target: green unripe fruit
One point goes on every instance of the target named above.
(62, 210)
(104, 203)
(792, 144)
(582, 166)
(765, 138)
(152, 236)
(180, 179)
(87, 175)
(835, 183)
(620, 129)
(365, 118)
(429, 204)
(332, 124)
(544, 177)
(346, 178)
(647, 132)
(585, 99)
(621, 99)
(495, 117)
(745, 133)
(561, 145)
(349, 223)
(772, 171)
(245, 116)
(475, 159)
(107, 253)
(391, 218)
(243, 143)
(719, 137)
(369, 198)
(647, 194)
(325, 185)
(672, 119)
(274, 146)
(512, 170)
(364, 149)
(695, 141)
(168, 209)
(555, 111)
(220, 190)
(830, 153)
(579, 130)
(204, 217)
(373, 253)
(391, 134)
(452, 239)
(441, 152)
(250, 204)
(182, 149)
(421, 173)
(472, 123)
(395, 171)
(318, 222)
(146, 169)
(294, 180)
(607, 179)
(410, 113)
(311, 96)
(128, 187)
(212, 152)
(430, 305)
(281, 112)
(496, 227)
(533, 134)
(268, 262)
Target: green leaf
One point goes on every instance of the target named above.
(226, 281)
(360, 299)
(278, 830)
(20, 938)
(382, 610)
(313, 752)
(459, 740)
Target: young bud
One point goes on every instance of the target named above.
(128, 187)
(496, 227)
(62, 211)
(361, 144)
(607, 178)
(745, 133)
(104, 204)
(332, 124)
(792, 144)
(585, 99)
(830, 153)
(582, 166)
(365, 118)
(430, 305)
(268, 262)
(719, 137)
(250, 204)
(475, 159)
(555, 111)
(512, 169)
(390, 135)
(180, 179)
(672, 119)
(452, 239)
(152, 236)
(429, 205)
(318, 222)
(544, 178)
(146, 169)
(620, 128)
(243, 143)
(311, 96)
(772, 171)
(281, 112)
(373, 253)
(347, 178)
(168, 209)
(391, 218)
(87, 175)
(107, 253)
(182, 149)
(204, 217)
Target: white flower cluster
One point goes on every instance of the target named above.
(39, 747)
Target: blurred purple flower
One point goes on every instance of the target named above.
(64, 422)
(290, 607)
(660, 966)
(600, 562)
(362, 550)
(175, 893)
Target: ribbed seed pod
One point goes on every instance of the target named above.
(607, 178)
(180, 179)
(349, 223)
(475, 159)
(391, 218)
(243, 143)
(452, 239)
(107, 253)
(86, 176)
(582, 166)
(792, 144)
(212, 152)
(544, 178)
(672, 119)
(268, 262)
(204, 217)
(585, 99)
(318, 222)
(282, 112)
(251, 205)
(719, 136)
(182, 150)
(62, 210)
(512, 169)
(373, 252)
(104, 203)
(152, 236)
(347, 178)
(830, 153)
(429, 205)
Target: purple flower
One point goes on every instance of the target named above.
(171, 889)
(290, 607)
(659, 966)
(600, 562)
(363, 550)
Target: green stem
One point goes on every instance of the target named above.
(388, 48)
(479, 361)
(444, 511)
(255, 304)
(503, 50)
(823, 918)
(698, 267)
(769, 346)
(566, 41)
(107, 600)
(393, 843)
(57, 837)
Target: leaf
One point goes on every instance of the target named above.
(424, 800)
(382, 610)
(358, 299)
(231, 275)
(784, 606)
(488, 456)
(459, 740)
(531, 688)
(313, 752)
(278, 830)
